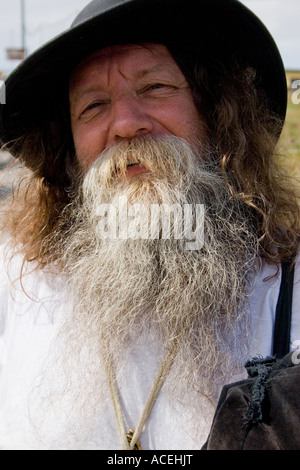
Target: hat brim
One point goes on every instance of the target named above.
(39, 84)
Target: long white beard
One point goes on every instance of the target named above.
(124, 288)
(193, 302)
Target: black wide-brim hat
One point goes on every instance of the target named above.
(38, 86)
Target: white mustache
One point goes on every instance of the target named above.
(156, 154)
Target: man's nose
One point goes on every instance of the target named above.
(129, 119)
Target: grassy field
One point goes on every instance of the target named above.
(290, 139)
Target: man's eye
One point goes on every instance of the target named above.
(152, 87)
(156, 86)
(158, 89)
(91, 107)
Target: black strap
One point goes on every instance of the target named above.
(282, 330)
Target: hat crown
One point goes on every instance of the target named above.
(95, 8)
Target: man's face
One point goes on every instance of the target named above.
(126, 91)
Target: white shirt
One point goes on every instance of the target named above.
(30, 319)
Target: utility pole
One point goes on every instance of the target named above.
(23, 29)
(18, 53)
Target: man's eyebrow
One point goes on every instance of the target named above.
(79, 94)
(157, 68)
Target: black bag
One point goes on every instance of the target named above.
(263, 411)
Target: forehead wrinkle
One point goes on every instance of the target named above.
(110, 52)
(103, 59)
(140, 74)
(157, 68)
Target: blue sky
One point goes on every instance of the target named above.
(45, 19)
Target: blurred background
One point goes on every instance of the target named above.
(25, 25)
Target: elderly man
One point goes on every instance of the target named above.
(115, 331)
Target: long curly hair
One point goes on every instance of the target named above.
(242, 131)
